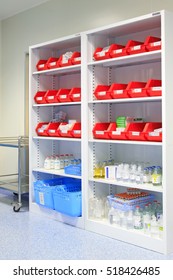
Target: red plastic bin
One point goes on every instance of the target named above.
(134, 131)
(41, 65)
(149, 133)
(41, 129)
(154, 87)
(135, 47)
(153, 43)
(63, 95)
(135, 89)
(105, 53)
(51, 96)
(64, 131)
(116, 134)
(101, 130)
(102, 92)
(76, 130)
(76, 58)
(52, 62)
(118, 91)
(64, 61)
(75, 94)
(40, 97)
(52, 129)
(119, 51)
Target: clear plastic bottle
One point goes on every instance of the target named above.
(132, 175)
(138, 218)
(119, 172)
(139, 174)
(154, 227)
(147, 220)
(57, 163)
(126, 172)
(146, 178)
(130, 220)
(52, 162)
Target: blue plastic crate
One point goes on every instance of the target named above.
(68, 199)
(43, 190)
(73, 169)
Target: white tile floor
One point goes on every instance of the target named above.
(26, 236)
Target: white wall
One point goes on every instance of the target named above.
(54, 19)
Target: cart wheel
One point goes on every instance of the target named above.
(16, 208)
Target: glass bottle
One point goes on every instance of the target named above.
(138, 218)
(97, 170)
(157, 176)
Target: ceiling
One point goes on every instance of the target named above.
(10, 8)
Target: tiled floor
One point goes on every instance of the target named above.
(26, 236)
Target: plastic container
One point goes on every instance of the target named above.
(153, 87)
(118, 91)
(65, 129)
(76, 58)
(105, 53)
(40, 97)
(149, 133)
(63, 95)
(125, 204)
(135, 89)
(52, 62)
(134, 131)
(135, 47)
(116, 134)
(41, 65)
(51, 96)
(75, 94)
(101, 130)
(52, 129)
(41, 129)
(101, 92)
(76, 130)
(73, 169)
(67, 199)
(119, 51)
(152, 43)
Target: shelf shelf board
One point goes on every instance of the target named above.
(128, 60)
(55, 172)
(57, 138)
(127, 100)
(57, 104)
(148, 187)
(125, 142)
(61, 70)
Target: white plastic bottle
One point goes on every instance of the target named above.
(57, 163)
(47, 163)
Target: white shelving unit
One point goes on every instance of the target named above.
(139, 67)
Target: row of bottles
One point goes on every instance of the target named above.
(58, 162)
(138, 173)
(148, 219)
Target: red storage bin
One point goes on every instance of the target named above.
(64, 131)
(76, 58)
(136, 89)
(154, 87)
(104, 53)
(63, 95)
(51, 96)
(149, 133)
(75, 94)
(40, 97)
(134, 47)
(134, 131)
(118, 91)
(41, 129)
(41, 65)
(100, 131)
(153, 43)
(76, 130)
(119, 51)
(52, 129)
(116, 134)
(101, 92)
(52, 62)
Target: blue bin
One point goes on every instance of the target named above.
(68, 199)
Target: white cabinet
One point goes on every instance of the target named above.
(143, 67)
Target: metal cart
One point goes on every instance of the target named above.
(18, 182)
